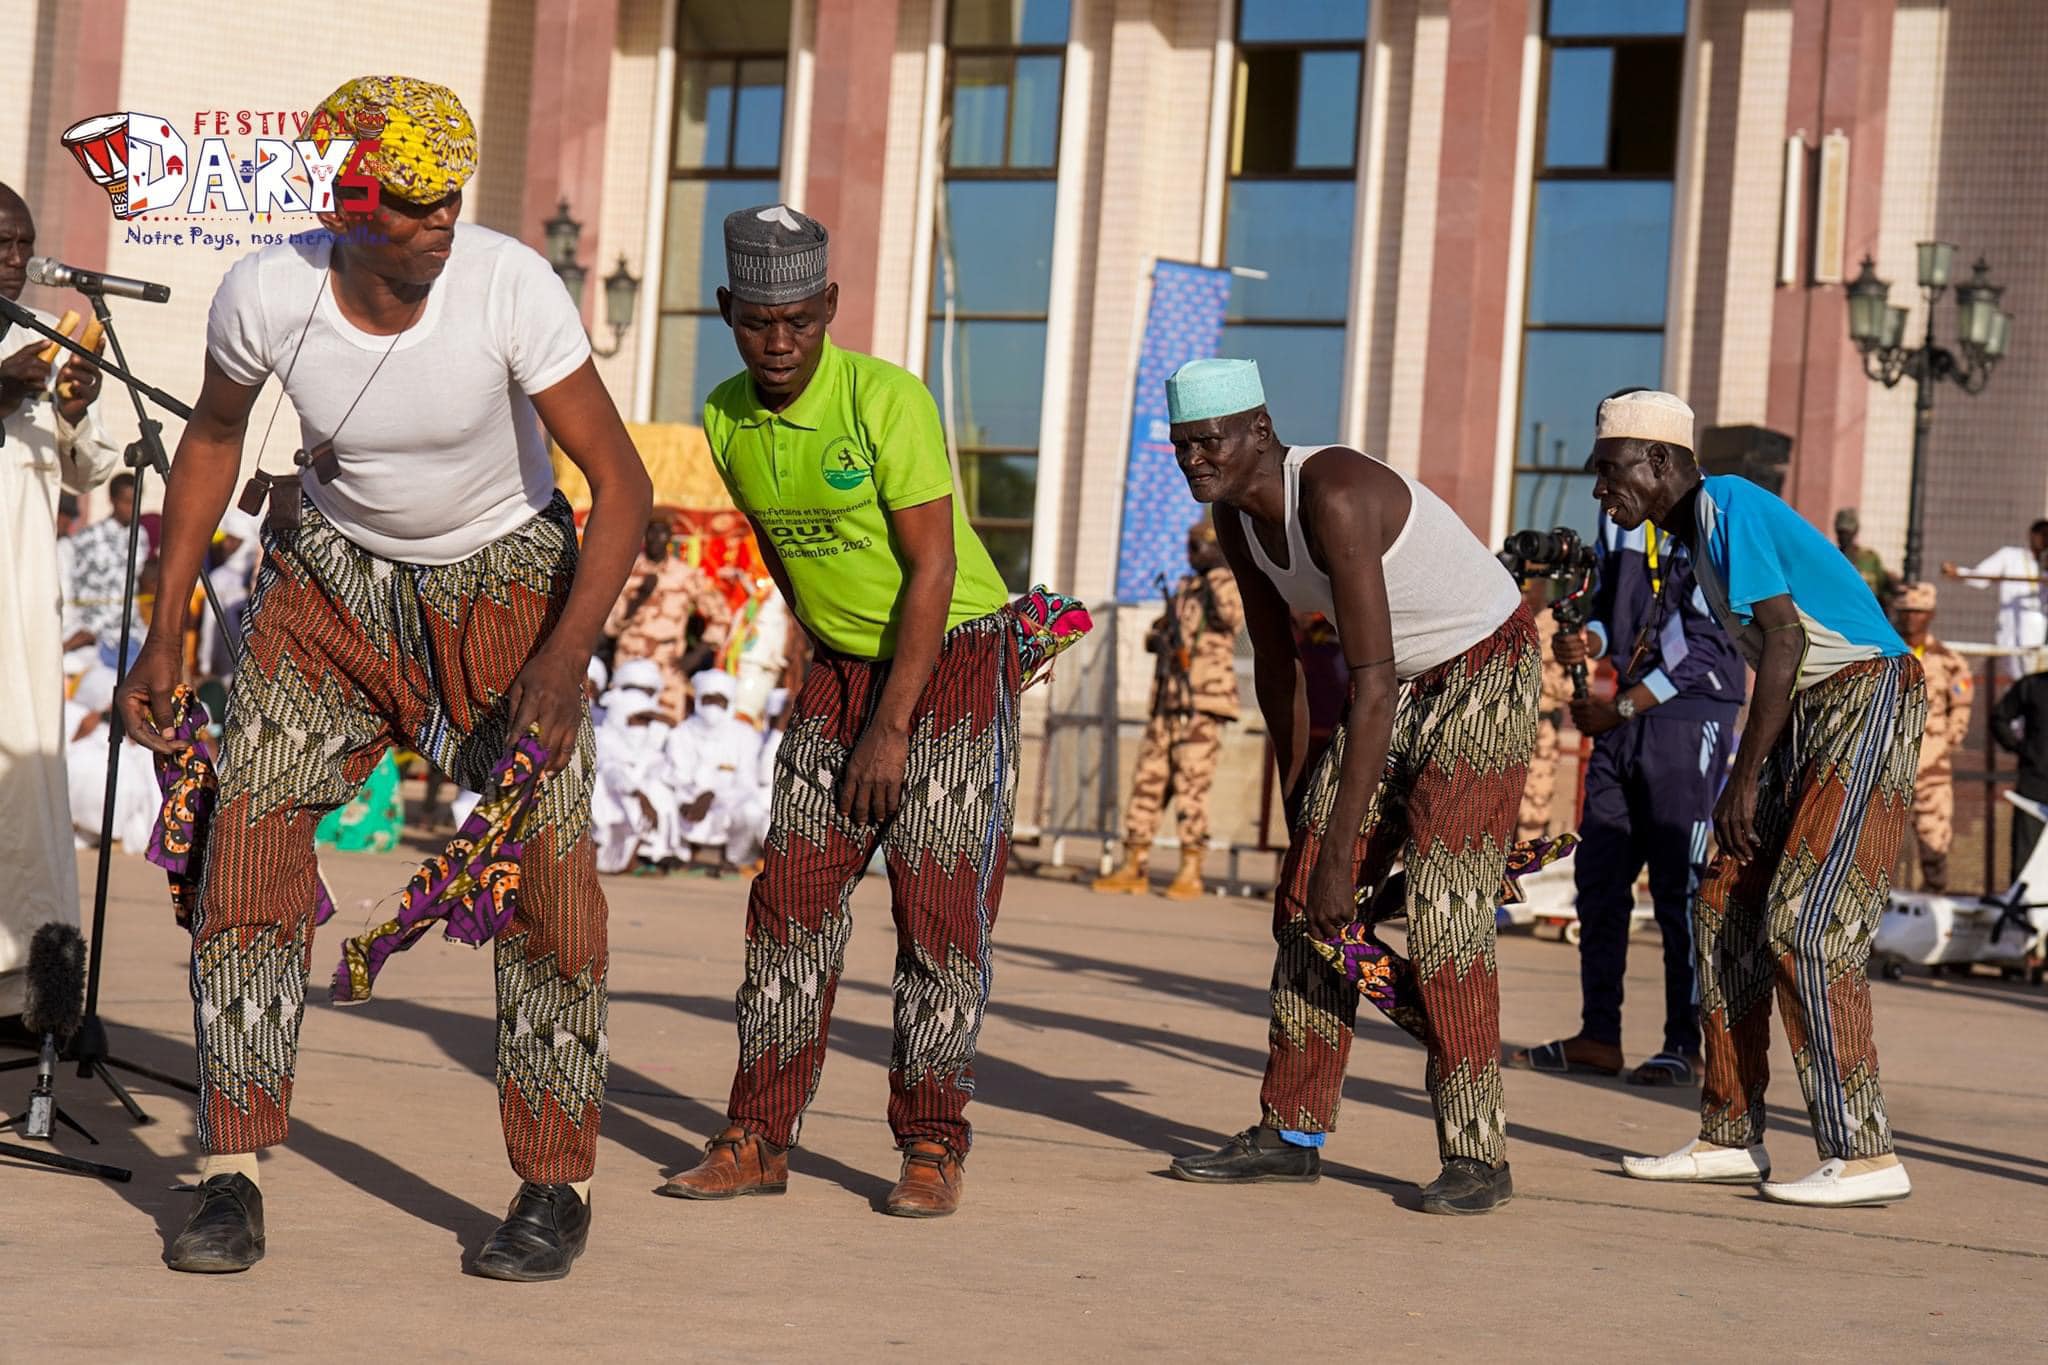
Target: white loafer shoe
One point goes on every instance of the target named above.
(1829, 1188)
(1701, 1164)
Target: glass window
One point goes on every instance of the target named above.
(1292, 205)
(757, 122)
(998, 381)
(1302, 369)
(981, 111)
(1546, 500)
(1616, 18)
(1599, 240)
(732, 64)
(1299, 233)
(1647, 78)
(1564, 377)
(697, 355)
(998, 241)
(1302, 21)
(693, 259)
(1600, 252)
(1326, 125)
(992, 266)
(1575, 115)
(1035, 122)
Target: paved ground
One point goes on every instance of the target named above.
(1124, 1032)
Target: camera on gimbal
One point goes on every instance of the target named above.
(1556, 554)
(1559, 555)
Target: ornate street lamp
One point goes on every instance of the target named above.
(1878, 330)
(621, 287)
(564, 234)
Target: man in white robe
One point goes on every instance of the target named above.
(716, 759)
(633, 803)
(46, 442)
(2016, 571)
(136, 798)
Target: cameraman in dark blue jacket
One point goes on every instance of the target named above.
(1660, 748)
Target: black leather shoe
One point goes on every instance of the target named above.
(1257, 1153)
(1468, 1186)
(541, 1237)
(225, 1232)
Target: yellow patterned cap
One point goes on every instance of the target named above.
(426, 141)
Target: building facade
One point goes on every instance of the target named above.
(1458, 222)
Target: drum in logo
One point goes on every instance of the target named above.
(101, 146)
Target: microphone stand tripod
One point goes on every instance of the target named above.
(88, 1046)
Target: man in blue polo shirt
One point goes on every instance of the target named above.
(1809, 825)
(1660, 748)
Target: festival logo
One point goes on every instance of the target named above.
(146, 166)
(843, 467)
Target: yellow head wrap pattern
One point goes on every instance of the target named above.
(426, 142)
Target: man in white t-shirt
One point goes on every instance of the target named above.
(420, 585)
(2022, 596)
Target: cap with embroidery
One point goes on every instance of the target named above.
(1202, 389)
(426, 143)
(774, 255)
(1645, 415)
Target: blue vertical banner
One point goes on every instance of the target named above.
(1183, 323)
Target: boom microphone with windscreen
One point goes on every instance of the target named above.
(53, 1005)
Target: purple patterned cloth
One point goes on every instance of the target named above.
(472, 885)
(1384, 978)
(191, 787)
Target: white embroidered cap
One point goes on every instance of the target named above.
(1647, 415)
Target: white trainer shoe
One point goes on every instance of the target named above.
(1702, 1164)
(1829, 1188)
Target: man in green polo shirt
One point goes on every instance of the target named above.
(903, 735)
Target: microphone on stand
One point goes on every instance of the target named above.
(53, 1004)
(42, 270)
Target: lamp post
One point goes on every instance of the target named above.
(1878, 329)
(621, 287)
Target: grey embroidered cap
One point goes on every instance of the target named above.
(774, 255)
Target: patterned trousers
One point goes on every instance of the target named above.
(946, 848)
(347, 654)
(1446, 808)
(1177, 759)
(1831, 808)
(1541, 790)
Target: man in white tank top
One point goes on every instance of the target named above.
(1427, 767)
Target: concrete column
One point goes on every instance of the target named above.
(1476, 193)
(1841, 71)
(77, 74)
(569, 100)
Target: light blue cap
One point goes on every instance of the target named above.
(1202, 389)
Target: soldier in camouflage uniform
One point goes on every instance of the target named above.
(1948, 721)
(651, 620)
(1848, 525)
(1194, 695)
